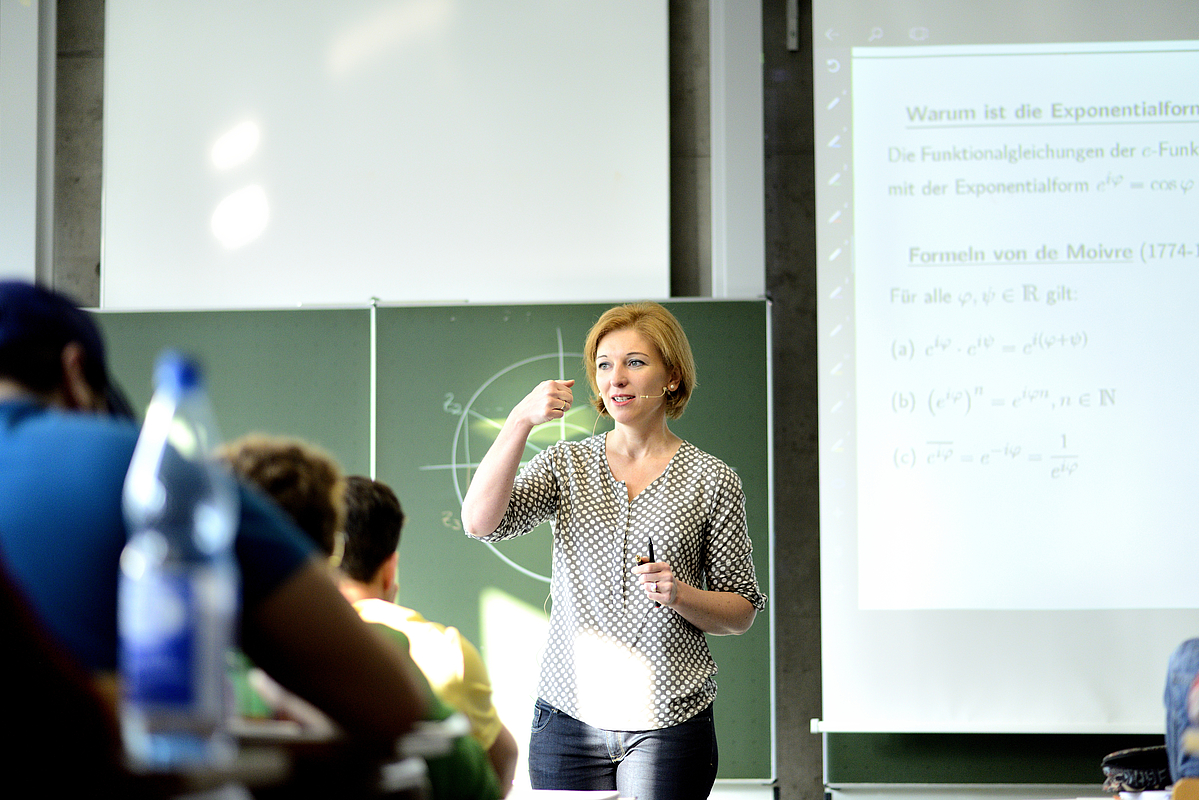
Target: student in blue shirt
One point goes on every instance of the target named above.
(66, 438)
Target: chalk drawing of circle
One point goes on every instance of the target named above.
(475, 430)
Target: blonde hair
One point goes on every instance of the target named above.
(302, 479)
(658, 325)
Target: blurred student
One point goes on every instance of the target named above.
(1182, 711)
(66, 438)
(53, 705)
(300, 478)
(307, 483)
(374, 520)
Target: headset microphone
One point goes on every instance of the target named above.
(654, 396)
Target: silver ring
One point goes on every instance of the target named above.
(654, 590)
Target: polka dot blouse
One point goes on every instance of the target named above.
(612, 660)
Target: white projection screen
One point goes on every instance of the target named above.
(284, 152)
(1008, 278)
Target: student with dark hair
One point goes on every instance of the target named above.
(374, 525)
(63, 458)
(374, 520)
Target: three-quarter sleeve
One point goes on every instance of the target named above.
(729, 565)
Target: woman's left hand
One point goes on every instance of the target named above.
(718, 613)
(657, 579)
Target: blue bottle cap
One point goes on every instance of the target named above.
(176, 372)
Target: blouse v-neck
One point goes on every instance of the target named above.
(665, 469)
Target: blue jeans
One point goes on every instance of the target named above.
(1183, 669)
(675, 763)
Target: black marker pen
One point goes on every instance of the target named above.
(651, 560)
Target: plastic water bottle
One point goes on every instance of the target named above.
(179, 583)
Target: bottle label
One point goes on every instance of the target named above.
(175, 629)
(157, 639)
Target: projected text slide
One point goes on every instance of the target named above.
(1027, 273)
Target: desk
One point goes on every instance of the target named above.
(277, 761)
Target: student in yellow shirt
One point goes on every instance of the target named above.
(450, 662)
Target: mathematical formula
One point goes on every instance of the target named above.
(1056, 461)
(941, 297)
(1044, 341)
(951, 402)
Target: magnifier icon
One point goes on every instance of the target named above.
(875, 33)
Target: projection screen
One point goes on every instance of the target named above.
(280, 153)
(1008, 263)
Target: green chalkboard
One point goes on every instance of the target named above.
(972, 758)
(297, 372)
(446, 377)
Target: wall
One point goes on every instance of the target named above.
(18, 140)
(791, 283)
(79, 119)
(790, 277)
